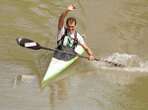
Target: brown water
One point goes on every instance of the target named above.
(115, 30)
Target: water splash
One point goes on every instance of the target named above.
(124, 59)
(133, 63)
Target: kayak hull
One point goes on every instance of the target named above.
(56, 66)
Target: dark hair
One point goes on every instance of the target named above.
(71, 20)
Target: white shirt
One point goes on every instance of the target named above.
(61, 32)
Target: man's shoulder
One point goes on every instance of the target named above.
(80, 38)
(62, 29)
(80, 35)
(61, 32)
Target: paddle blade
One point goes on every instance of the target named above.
(27, 43)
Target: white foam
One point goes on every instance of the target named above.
(132, 63)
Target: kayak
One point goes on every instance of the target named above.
(57, 65)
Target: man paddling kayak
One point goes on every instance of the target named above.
(68, 37)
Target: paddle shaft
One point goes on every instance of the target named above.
(56, 50)
(81, 56)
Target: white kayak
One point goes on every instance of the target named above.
(56, 66)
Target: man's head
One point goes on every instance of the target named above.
(71, 24)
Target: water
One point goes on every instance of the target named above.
(115, 30)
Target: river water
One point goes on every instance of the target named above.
(116, 30)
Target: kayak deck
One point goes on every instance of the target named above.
(56, 66)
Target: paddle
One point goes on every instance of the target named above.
(27, 43)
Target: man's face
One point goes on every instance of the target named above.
(71, 27)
